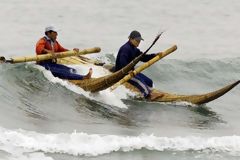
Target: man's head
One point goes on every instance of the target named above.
(51, 32)
(135, 38)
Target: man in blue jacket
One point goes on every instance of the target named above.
(126, 54)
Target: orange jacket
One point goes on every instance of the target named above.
(44, 43)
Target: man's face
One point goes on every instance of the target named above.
(52, 35)
(135, 42)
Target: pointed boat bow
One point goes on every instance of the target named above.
(205, 98)
(195, 99)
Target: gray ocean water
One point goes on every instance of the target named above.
(43, 117)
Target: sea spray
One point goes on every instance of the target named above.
(94, 144)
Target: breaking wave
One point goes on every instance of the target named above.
(93, 144)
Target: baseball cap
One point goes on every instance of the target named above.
(135, 35)
(51, 28)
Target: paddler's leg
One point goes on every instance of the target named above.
(141, 85)
(140, 81)
(64, 72)
(54, 66)
(153, 95)
(71, 76)
(147, 80)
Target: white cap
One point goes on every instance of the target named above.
(51, 28)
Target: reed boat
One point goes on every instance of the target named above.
(114, 79)
(163, 96)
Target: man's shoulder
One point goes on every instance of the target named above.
(43, 39)
(125, 46)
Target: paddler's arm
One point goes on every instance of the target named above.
(41, 50)
(46, 51)
(40, 47)
(54, 54)
(76, 49)
(146, 57)
(62, 49)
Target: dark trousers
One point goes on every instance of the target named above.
(143, 83)
(61, 71)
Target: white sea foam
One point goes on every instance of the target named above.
(18, 141)
(26, 156)
(105, 96)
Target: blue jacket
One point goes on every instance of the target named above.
(127, 53)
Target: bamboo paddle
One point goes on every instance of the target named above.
(50, 56)
(139, 69)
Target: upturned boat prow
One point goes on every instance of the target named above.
(194, 99)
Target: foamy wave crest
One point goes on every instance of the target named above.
(94, 144)
(102, 96)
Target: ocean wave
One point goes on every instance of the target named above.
(170, 75)
(27, 77)
(94, 144)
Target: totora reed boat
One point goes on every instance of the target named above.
(97, 84)
(113, 80)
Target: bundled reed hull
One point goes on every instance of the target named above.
(167, 97)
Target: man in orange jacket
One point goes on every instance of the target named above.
(49, 44)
